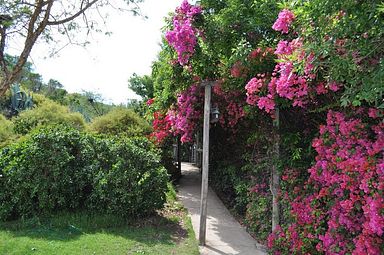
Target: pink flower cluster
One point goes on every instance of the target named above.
(183, 36)
(285, 81)
(283, 22)
(346, 183)
(189, 112)
(289, 83)
(254, 87)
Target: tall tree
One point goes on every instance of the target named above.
(33, 19)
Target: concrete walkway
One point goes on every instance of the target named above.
(224, 234)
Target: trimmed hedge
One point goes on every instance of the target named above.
(59, 168)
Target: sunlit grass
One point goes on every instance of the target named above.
(169, 232)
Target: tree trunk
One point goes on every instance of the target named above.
(275, 182)
(4, 86)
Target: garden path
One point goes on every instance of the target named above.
(224, 234)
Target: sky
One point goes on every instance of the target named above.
(106, 64)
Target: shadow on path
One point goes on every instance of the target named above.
(224, 234)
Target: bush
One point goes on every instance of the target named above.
(43, 173)
(47, 112)
(233, 185)
(258, 216)
(58, 168)
(133, 184)
(120, 121)
(6, 131)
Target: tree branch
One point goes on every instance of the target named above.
(30, 40)
(81, 11)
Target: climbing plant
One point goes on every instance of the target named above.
(316, 67)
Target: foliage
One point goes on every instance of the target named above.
(28, 79)
(141, 85)
(132, 184)
(258, 215)
(87, 103)
(54, 90)
(46, 112)
(20, 100)
(6, 131)
(346, 39)
(231, 181)
(120, 121)
(44, 173)
(278, 69)
(61, 169)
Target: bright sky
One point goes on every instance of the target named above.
(106, 64)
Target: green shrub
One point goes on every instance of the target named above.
(232, 183)
(47, 112)
(120, 121)
(6, 131)
(58, 168)
(43, 173)
(258, 216)
(133, 184)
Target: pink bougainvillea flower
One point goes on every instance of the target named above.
(267, 103)
(183, 37)
(283, 47)
(150, 101)
(284, 20)
(334, 86)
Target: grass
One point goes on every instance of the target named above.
(168, 232)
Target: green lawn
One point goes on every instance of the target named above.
(169, 232)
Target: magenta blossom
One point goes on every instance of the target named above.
(284, 21)
(183, 37)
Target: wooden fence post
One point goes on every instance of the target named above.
(204, 181)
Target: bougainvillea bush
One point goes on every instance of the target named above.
(299, 87)
(341, 210)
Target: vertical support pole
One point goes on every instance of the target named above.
(204, 181)
(275, 185)
(179, 155)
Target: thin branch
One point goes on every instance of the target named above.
(81, 11)
(31, 37)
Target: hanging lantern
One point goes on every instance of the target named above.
(215, 114)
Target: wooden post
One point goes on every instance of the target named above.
(204, 181)
(275, 185)
(179, 156)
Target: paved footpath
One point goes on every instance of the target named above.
(224, 234)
